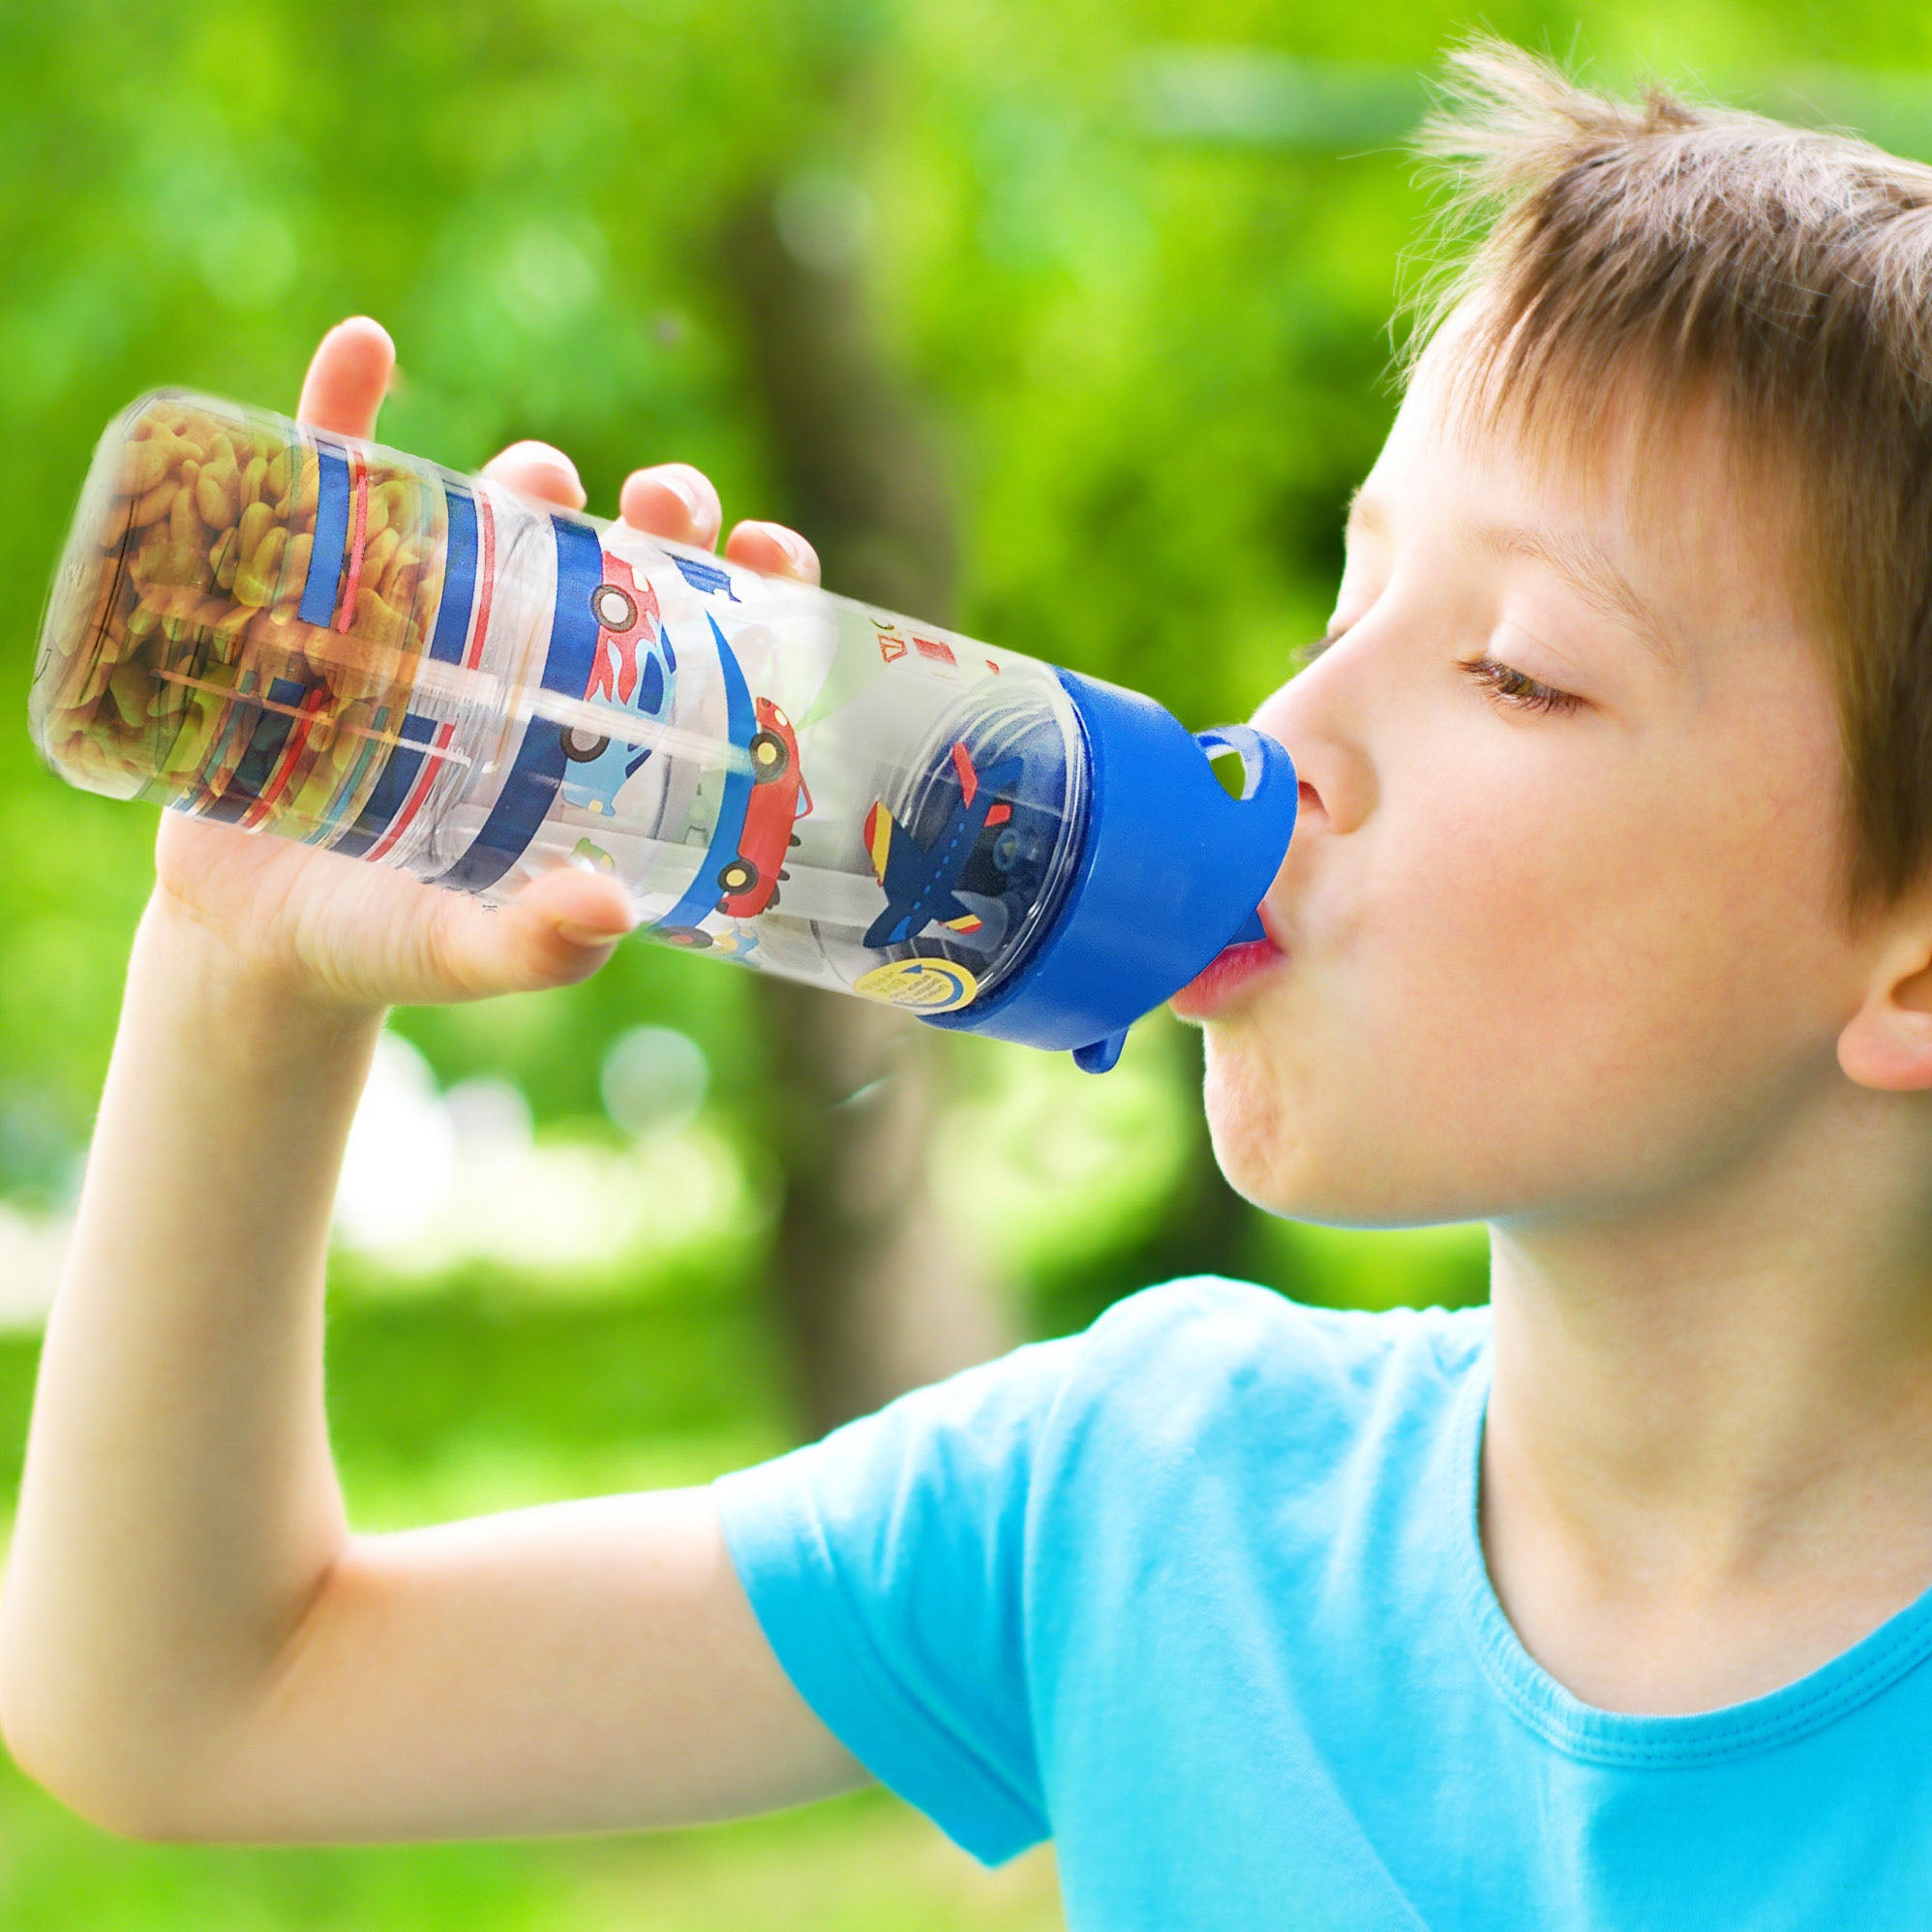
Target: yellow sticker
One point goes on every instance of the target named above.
(923, 985)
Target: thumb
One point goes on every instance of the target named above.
(559, 929)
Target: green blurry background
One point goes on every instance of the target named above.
(1065, 322)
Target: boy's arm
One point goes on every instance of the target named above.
(193, 1643)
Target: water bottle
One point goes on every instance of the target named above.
(301, 633)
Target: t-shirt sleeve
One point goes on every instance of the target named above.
(886, 1566)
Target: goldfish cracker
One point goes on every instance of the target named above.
(256, 580)
(218, 494)
(155, 504)
(253, 526)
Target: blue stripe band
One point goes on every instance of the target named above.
(392, 786)
(330, 555)
(702, 895)
(459, 577)
(268, 735)
(452, 626)
(538, 771)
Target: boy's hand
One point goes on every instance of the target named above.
(343, 934)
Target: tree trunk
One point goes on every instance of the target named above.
(875, 1293)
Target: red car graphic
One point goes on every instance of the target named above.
(750, 881)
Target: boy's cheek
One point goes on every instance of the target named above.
(1506, 987)
(1447, 1044)
(1312, 1138)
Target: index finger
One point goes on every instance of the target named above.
(348, 378)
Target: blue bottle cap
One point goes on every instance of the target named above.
(1174, 869)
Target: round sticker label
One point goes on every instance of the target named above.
(925, 986)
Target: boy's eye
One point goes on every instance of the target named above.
(1518, 691)
(1510, 687)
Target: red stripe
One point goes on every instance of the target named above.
(434, 755)
(486, 580)
(969, 779)
(358, 531)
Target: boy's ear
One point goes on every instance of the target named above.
(1887, 1043)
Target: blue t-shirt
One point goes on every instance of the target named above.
(1200, 1594)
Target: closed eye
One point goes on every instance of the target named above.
(1512, 689)
(1517, 691)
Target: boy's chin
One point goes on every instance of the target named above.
(1253, 1142)
(1281, 1158)
(1279, 1182)
(1294, 1189)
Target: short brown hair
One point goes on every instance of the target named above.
(1691, 252)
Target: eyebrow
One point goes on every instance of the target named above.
(1584, 566)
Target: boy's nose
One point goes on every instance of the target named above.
(1313, 716)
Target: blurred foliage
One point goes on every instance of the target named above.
(1135, 260)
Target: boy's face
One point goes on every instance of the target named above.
(1542, 958)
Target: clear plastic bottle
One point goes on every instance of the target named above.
(303, 634)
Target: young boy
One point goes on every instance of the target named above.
(1608, 923)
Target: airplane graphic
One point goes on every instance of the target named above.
(918, 879)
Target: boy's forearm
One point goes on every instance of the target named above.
(179, 1509)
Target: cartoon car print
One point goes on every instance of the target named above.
(749, 879)
(634, 667)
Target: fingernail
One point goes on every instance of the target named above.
(585, 935)
(686, 484)
(554, 458)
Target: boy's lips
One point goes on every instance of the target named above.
(1228, 974)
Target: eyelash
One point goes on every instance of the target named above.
(1519, 692)
(1508, 686)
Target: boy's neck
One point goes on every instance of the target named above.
(1718, 1414)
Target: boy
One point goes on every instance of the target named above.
(1608, 923)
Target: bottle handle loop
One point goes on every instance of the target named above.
(1264, 763)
